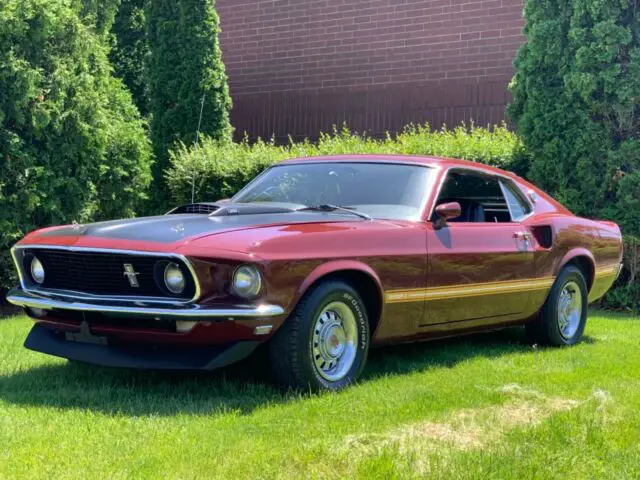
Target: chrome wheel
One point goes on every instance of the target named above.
(569, 310)
(334, 341)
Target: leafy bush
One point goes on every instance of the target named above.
(222, 168)
(577, 105)
(72, 145)
(185, 62)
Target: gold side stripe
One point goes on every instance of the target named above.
(455, 292)
(504, 283)
(463, 291)
(481, 289)
(605, 275)
(607, 271)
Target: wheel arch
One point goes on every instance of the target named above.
(360, 276)
(582, 259)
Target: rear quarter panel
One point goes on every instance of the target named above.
(598, 242)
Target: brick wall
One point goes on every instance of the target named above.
(300, 66)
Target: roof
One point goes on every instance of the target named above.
(391, 158)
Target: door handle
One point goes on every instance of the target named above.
(522, 235)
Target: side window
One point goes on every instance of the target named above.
(481, 197)
(518, 206)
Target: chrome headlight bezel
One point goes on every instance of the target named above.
(246, 282)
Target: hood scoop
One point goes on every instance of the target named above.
(205, 208)
(233, 209)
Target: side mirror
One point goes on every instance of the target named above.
(447, 211)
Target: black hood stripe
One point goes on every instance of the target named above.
(174, 228)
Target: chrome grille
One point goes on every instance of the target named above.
(103, 273)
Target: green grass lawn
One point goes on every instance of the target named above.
(484, 406)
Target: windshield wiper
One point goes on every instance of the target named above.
(327, 207)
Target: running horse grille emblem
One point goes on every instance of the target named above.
(131, 275)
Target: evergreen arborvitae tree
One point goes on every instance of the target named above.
(577, 104)
(129, 52)
(99, 15)
(185, 63)
(72, 144)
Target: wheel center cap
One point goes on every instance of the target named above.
(335, 341)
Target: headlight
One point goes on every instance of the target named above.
(37, 270)
(246, 281)
(174, 278)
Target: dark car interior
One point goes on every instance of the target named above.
(481, 198)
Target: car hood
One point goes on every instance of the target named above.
(177, 229)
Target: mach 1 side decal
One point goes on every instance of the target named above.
(472, 290)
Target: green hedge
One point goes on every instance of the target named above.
(222, 168)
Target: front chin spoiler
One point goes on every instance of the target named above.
(94, 350)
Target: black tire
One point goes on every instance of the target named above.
(291, 357)
(546, 329)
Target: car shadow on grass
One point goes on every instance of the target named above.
(233, 389)
(446, 353)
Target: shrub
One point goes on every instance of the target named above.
(222, 168)
(72, 145)
(577, 105)
(185, 62)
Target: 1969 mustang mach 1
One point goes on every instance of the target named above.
(314, 261)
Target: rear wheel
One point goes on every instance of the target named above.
(323, 345)
(564, 315)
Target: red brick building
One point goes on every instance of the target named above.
(300, 66)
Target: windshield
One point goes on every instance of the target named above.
(381, 190)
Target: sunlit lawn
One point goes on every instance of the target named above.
(484, 406)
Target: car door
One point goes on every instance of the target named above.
(480, 266)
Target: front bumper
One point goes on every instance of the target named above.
(142, 308)
(87, 348)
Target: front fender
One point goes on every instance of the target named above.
(334, 267)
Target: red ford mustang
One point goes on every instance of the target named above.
(316, 260)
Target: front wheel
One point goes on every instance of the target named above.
(323, 345)
(564, 315)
